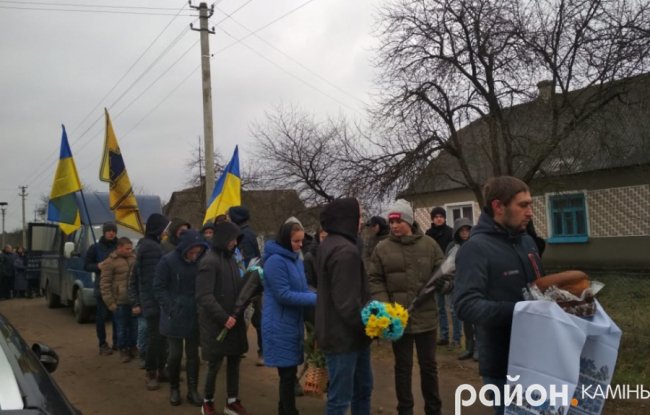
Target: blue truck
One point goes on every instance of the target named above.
(59, 259)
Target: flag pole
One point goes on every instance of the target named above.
(85, 208)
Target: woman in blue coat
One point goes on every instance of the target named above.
(285, 296)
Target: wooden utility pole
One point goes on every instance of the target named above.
(204, 15)
(23, 195)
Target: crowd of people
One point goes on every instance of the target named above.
(175, 293)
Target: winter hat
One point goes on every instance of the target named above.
(401, 209)
(109, 226)
(438, 211)
(239, 214)
(156, 224)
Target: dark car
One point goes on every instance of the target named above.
(26, 386)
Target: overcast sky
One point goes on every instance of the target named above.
(59, 66)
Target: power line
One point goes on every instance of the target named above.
(229, 16)
(315, 88)
(41, 9)
(51, 156)
(103, 6)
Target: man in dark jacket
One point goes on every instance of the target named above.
(342, 293)
(217, 287)
(249, 249)
(443, 235)
(95, 256)
(399, 267)
(378, 229)
(176, 228)
(141, 296)
(492, 269)
(174, 287)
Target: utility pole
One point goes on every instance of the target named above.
(3, 206)
(23, 195)
(204, 15)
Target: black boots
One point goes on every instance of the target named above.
(193, 396)
(174, 396)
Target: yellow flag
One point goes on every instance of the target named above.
(112, 170)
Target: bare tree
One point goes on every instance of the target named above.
(298, 152)
(446, 64)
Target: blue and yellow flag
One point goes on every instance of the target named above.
(62, 207)
(120, 194)
(227, 190)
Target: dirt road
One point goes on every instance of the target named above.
(102, 385)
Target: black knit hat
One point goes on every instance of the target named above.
(438, 211)
(109, 226)
(239, 214)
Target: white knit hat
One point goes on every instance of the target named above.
(401, 209)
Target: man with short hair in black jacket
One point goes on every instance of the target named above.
(95, 256)
(492, 269)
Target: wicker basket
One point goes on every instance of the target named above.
(315, 381)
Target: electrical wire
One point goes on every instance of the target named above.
(103, 6)
(41, 9)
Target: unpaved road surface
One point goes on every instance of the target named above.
(102, 385)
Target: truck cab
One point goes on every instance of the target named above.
(60, 258)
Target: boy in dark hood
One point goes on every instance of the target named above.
(218, 285)
(342, 293)
(176, 229)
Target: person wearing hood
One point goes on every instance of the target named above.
(342, 294)
(218, 285)
(177, 227)
(174, 288)
(143, 302)
(95, 256)
(462, 229)
(399, 267)
(285, 295)
(207, 231)
(492, 268)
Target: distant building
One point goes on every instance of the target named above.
(268, 208)
(591, 197)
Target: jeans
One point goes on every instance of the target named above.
(100, 322)
(425, 344)
(156, 356)
(287, 403)
(441, 301)
(142, 335)
(192, 362)
(350, 382)
(500, 383)
(232, 376)
(126, 327)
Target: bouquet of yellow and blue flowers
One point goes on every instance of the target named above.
(384, 320)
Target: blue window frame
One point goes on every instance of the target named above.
(568, 218)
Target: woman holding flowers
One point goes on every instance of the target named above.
(285, 296)
(398, 268)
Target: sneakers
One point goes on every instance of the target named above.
(105, 350)
(208, 408)
(235, 408)
(152, 381)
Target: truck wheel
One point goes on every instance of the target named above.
(80, 310)
(52, 300)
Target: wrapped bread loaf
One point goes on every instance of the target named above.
(571, 290)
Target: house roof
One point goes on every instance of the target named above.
(618, 135)
(268, 208)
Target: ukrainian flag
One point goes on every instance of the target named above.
(112, 170)
(62, 207)
(227, 190)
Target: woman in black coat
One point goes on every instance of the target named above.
(217, 287)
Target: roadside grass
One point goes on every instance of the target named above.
(626, 298)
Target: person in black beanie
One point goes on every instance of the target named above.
(443, 235)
